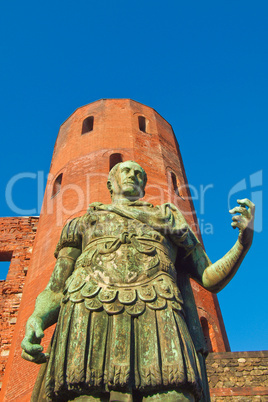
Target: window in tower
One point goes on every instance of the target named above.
(88, 124)
(142, 123)
(57, 185)
(5, 259)
(174, 183)
(114, 159)
(208, 334)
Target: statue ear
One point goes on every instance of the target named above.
(109, 186)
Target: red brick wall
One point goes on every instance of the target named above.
(16, 244)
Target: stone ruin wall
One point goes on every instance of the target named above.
(17, 236)
(238, 376)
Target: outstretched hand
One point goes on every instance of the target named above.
(244, 221)
(32, 350)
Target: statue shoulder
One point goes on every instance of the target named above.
(173, 210)
(172, 207)
(94, 206)
(70, 234)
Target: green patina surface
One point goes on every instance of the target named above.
(127, 326)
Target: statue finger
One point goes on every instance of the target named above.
(27, 341)
(27, 356)
(245, 202)
(30, 336)
(239, 222)
(30, 347)
(239, 218)
(241, 210)
(38, 359)
(39, 333)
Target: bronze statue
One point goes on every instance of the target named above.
(127, 326)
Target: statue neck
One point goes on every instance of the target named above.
(119, 199)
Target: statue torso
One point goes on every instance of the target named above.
(118, 250)
(121, 295)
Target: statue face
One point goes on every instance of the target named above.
(129, 180)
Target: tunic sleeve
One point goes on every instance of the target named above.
(181, 233)
(187, 245)
(70, 236)
(191, 254)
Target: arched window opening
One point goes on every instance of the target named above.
(114, 159)
(57, 185)
(5, 259)
(142, 123)
(4, 268)
(88, 125)
(174, 183)
(206, 332)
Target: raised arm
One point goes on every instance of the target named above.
(214, 277)
(47, 306)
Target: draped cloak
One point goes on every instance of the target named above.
(128, 320)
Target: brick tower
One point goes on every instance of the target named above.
(90, 142)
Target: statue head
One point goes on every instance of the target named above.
(127, 180)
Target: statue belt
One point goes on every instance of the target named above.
(145, 245)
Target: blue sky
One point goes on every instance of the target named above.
(202, 65)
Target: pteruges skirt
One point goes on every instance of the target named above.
(122, 339)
